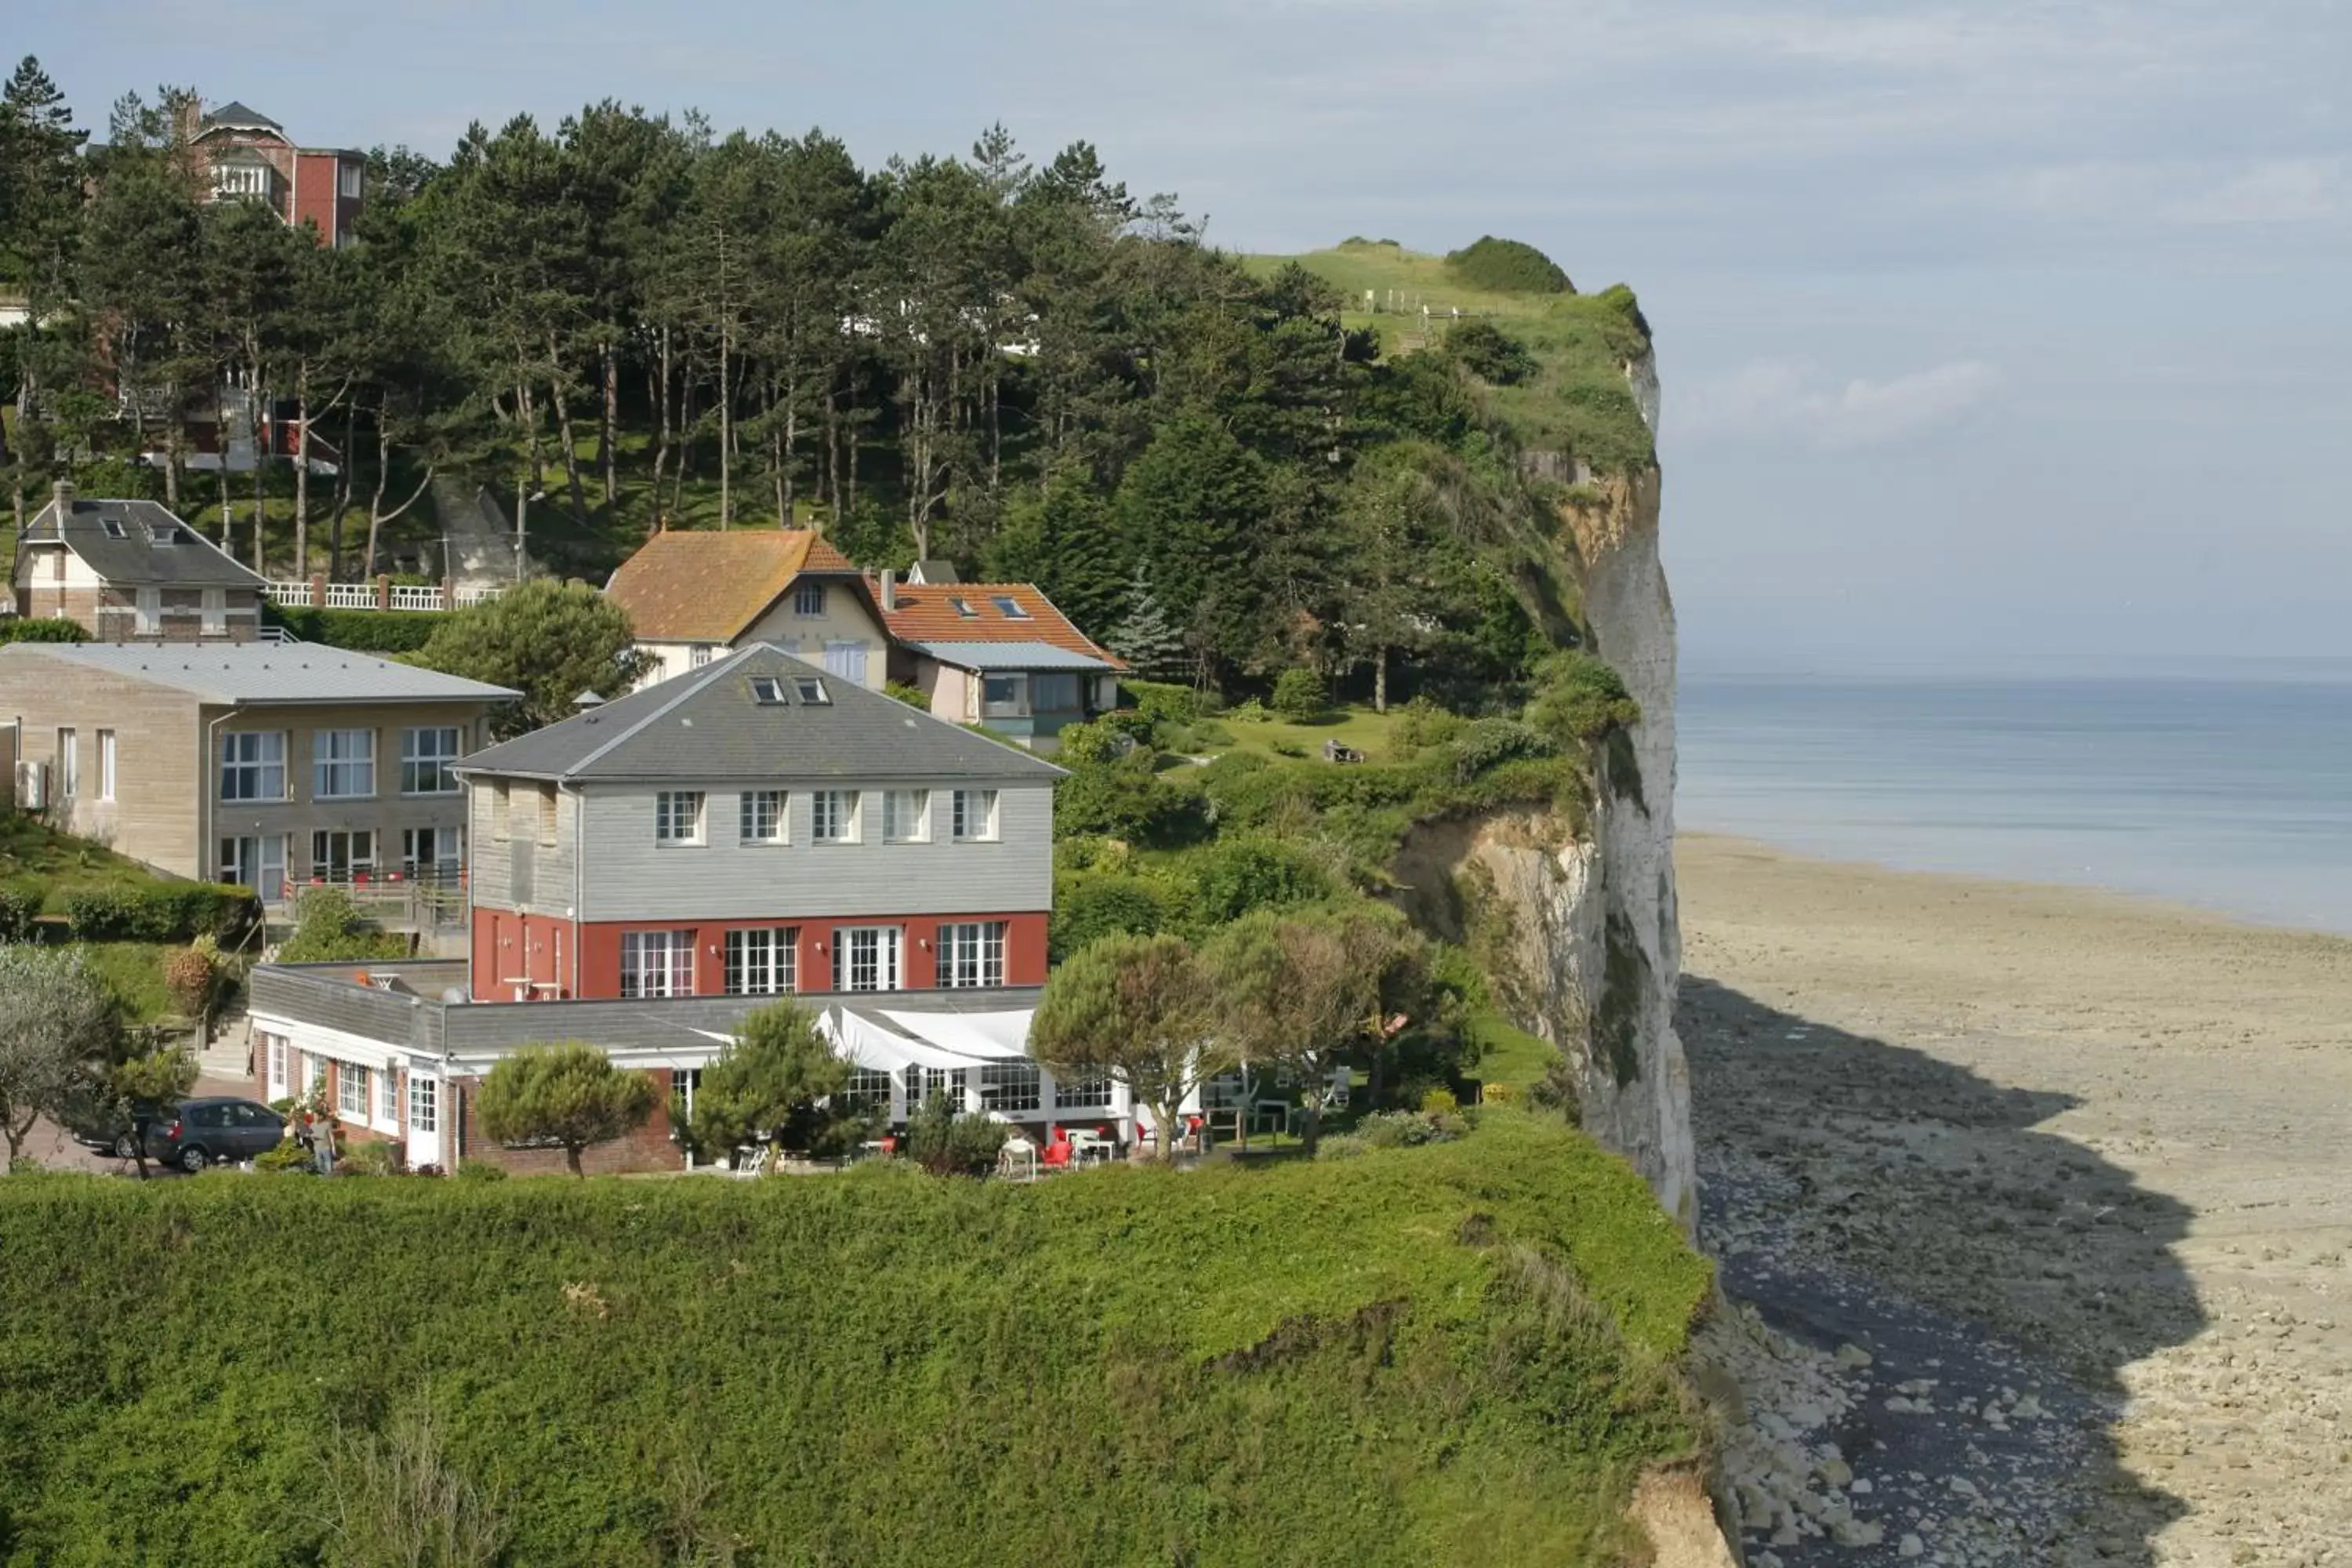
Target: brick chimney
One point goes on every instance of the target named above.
(889, 589)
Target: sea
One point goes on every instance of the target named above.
(2227, 786)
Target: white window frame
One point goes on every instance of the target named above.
(1008, 608)
(983, 804)
(107, 758)
(1082, 1093)
(1016, 706)
(834, 815)
(343, 765)
(348, 176)
(355, 1091)
(423, 1103)
(971, 954)
(387, 1098)
(762, 961)
(768, 808)
(277, 1058)
(699, 655)
(69, 762)
(880, 950)
(436, 864)
(677, 817)
(845, 659)
(808, 599)
(267, 881)
(906, 817)
(425, 765)
(656, 963)
(1010, 1087)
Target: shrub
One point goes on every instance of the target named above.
(476, 1171)
(947, 1143)
(1422, 722)
(907, 693)
(1083, 743)
(286, 1155)
(1300, 694)
(1439, 1102)
(1089, 908)
(1125, 799)
(328, 929)
(369, 1157)
(1159, 702)
(162, 912)
(361, 631)
(1487, 744)
(1579, 697)
(42, 629)
(567, 1093)
(18, 907)
(1508, 266)
(192, 979)
(1233, 877)
(1490, 354)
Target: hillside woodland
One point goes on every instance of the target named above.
(1219, 464)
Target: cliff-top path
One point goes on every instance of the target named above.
(2057, 1187)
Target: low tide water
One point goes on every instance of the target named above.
(2224, 787)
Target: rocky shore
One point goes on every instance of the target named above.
(2037, 1205)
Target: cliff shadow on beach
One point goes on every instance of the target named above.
(1977, 1284)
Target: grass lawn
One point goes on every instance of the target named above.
(133, 970)
(1358, 727)
(1508, 1054)
(32, 851)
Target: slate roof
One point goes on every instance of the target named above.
(238, 116)
(135, 560)
(694, 586)
(707, 725)
(1014, 656)
(927, 613)
(256, 674)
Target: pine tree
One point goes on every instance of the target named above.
(1148, 639)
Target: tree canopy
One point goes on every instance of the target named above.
(567, 1093)
(552, 641)
(1136, 1007)
(59, 1028)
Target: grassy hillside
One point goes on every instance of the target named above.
(1451, 1353)
(1577, 402)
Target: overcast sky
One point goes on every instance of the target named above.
(2018, 324)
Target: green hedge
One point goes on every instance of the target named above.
(41, 628)
(1508, 266)
(162, 912)
(1453, 1353)
(19, 906)
(362, 631)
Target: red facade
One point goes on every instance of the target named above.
(519, 957)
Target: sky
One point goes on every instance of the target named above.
(2016, 327)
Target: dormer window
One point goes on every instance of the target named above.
(811, 690)
(1008, 606)
(768, 692)
(964, 608)
(808, 599)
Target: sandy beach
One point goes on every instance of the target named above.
(2067, 1179)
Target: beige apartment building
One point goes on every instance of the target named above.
(274, 765)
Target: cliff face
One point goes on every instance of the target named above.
(1579, 929)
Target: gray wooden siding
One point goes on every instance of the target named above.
(519, 871)
(630, 876)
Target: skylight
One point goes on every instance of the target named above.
(811, 690)
(962, 607)
(113, 526)
(1008, 606)
(767, 691)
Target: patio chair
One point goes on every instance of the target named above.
(1017, 1161)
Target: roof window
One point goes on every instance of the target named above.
(1008, 606)
(113, 526)
(962, 607)
(767, 691)
(811, 690)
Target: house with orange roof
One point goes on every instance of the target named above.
(998, 654)
(693, 596)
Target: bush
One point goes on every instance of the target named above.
(20, 905)
(907, 693)
(1490, 354)
(369, 1157)
(328, 929)
(1439, 1102)
(1422, 722)
(1485, 745)
(286, 1156)
(1089, 908)
(1159, 702)
(1508, 266)
(361, 631)
(476, 1171)
(42, 629)
(948, 1143)
(1127, 800)
(163, 912)
(1579, 697)
(1082, 744)
(1300, 695)
(1232, 877)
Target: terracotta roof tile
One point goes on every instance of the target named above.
(686, 585)
(928, 612)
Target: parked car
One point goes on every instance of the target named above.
(199, 1132)
(109, 1129)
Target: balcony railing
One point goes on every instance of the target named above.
(376, 595)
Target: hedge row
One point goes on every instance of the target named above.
(41, 628)
(162, 912)
(1452, 1353)
(362, 631)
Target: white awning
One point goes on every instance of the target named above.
(986, 1036)
(869, 1045)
